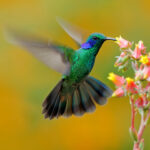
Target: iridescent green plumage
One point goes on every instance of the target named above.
(76, 92)
(77, 89)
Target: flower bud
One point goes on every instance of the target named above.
(117, 80)
(131, 86)
(146, 72)
(124, 44)
(139, 75)
(118, 93)
(139, 50)
(121, 59)
(141, 46)
(136, 53)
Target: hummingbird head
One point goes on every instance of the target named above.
(95, 40)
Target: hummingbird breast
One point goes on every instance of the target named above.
(82, 65)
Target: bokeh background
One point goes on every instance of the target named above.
(25, 82)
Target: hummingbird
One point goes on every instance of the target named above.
(77, 92)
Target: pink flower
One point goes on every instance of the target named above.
(118, 93)
(141, 102)
(139, 72)
(121, 59)
(136, 53)
(141, 46)
(117, 80)
(139, 75)
(143, 73)
(131, 86)
(122, 54)
(123, 43)
(146, 72)
(139, 50)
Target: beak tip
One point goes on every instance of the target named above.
(109, 38)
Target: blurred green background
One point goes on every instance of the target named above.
(25, 82)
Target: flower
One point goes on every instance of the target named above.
(129, 80)
(121, 59)
(136, 88)
(139, 75)
(146, 72)
(118, 93)
(117, 80)
(123, 43)
(145, 60)
(141, 102)
(136, 53)
(141, 46)
(130, 85)
(139, 50)
(143, 73)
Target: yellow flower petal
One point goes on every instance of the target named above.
(129, 80)
(111, 76)
(144, 59)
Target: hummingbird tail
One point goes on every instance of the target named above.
(77, 103)
(98, 90)
(50, 104)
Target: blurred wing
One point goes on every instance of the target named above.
(54, 56)
(77, 34)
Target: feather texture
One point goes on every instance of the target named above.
(78, 102)
(99, 91)
(76, 33)
(54, 56)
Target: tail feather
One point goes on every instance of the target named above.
(93, 93)
(99, 91)
(61, 108)
(53, 112)
(49, 102)
(80, 101)
(68, 109)
(86, 100)
(96, 95)
(99, 86)
(77, 108)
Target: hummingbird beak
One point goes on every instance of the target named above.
(109, 38)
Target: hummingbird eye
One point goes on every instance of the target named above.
(95, 38)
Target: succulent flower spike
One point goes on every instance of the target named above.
(137, 88)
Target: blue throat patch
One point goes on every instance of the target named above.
(88, 44)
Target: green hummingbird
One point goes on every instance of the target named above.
(77, 92)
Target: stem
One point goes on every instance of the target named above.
(141, 130)
(132, 113)
(142, 127)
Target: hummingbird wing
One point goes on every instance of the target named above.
(75, 32)
(54, 56)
